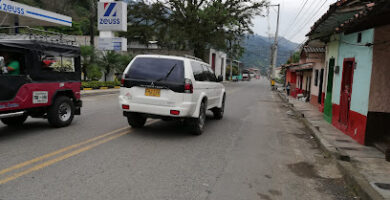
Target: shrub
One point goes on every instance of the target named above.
(94, 72)
(98, 84)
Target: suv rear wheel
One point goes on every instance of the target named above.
(14, 121)
(61, 113)
(198, 123)
(136, 120)
(218, 112)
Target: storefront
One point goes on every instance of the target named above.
(17, 14)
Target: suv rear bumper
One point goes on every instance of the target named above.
(186, 109)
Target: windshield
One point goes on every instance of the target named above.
(152, 69)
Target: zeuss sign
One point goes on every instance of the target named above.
(112, 16)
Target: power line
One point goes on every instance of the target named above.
(304, 18)
(300, 11)
(308, 20)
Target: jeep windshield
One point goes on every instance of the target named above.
(156, 70)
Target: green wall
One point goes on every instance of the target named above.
(332, 51)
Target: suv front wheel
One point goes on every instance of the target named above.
(61, 113)
(198, 123)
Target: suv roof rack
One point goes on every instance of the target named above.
(39, 35)
(193, 57)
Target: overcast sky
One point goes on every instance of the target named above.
(294, 30)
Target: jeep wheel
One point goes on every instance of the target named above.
(136, 120)
(198, 123)
(61, 113)
(218, 112)
(14, 121)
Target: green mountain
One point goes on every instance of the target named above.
(258, 51)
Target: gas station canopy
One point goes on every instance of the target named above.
(17, 14)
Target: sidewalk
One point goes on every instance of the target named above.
(86, 93)
(363, 167)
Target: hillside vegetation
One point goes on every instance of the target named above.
(258, 51)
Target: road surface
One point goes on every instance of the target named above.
(257, 151)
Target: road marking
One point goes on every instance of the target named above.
(113, 135)
(18, 166)
(63, 157)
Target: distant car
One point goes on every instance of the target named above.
(246, 77)
(170, 87)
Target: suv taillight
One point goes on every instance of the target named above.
(123, 80)
(188, 88)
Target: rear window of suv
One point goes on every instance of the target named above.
(153, 69)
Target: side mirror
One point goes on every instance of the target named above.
(220, 78)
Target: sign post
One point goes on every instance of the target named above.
(112, 16)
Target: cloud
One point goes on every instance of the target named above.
(294, 31)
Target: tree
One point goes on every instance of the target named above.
(235, 71)
(294, 58)
(88, 55)
(111, 61)
(193, 24)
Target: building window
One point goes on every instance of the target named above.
(316, 78)
(359, 38)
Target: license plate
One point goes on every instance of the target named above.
(152, 92)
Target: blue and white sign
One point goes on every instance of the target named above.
(112, 16)
(51, 18)
(112, 44)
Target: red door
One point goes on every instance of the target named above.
(346, 91)
(213, 61)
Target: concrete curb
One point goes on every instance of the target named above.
(101, 88)
(99, 92)
(358, 183)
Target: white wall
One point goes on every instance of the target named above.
(220, 62)
(277, 72)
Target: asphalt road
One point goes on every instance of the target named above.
(256, 152)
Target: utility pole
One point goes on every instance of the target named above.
(231, 59)
(275, 46)
(231, 68)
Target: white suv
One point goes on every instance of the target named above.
(170, 87)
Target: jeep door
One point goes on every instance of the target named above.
(10, 84)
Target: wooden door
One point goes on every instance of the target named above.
(346, 91)
(329, 88)
(320, 86)
(213, 57)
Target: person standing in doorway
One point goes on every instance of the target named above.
(288, 86)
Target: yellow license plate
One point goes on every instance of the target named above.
(152, 92)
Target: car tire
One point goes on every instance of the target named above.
(198, 123)
(61, 113)
(218, 112)
(136, 120)
(14, 121)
